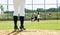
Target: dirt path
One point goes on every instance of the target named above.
(30, 32)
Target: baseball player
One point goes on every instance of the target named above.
(19, 11)
(38, 17)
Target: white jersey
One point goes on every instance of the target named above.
(38, 16)
(19, 6)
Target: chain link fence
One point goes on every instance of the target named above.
(47, 11)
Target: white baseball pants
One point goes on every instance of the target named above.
(19, 6)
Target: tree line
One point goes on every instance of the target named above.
(39, 10)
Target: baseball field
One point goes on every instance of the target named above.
(44, 27)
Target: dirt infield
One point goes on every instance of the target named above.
(30, 32)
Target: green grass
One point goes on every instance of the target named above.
(43, 24)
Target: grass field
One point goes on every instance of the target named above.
(43, 24)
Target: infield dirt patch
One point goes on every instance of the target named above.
(30, 32)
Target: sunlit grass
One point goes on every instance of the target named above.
(43, 24)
